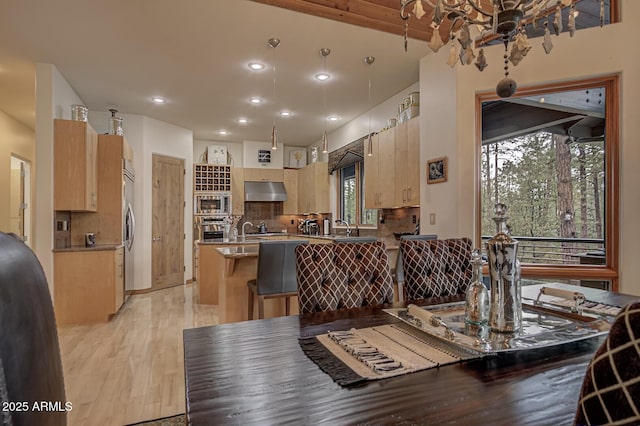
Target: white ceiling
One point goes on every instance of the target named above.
(118, 54)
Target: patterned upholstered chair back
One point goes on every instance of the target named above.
(436, 267)
(30, 364)
(347, 275)
(611, 388)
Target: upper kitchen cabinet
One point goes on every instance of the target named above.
(291, 185)
(263, 175)
(75, 177)
(313, 189)
(407, 163)
(379, 172)
(392, 173)
(107, 223)
(237, 190)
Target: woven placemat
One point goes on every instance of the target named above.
(358, 355)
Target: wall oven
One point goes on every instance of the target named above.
(216, 204)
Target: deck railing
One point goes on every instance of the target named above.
(558, 251)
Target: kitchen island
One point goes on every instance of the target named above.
(225, 267)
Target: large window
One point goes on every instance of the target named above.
(551, 154)
(351, 196)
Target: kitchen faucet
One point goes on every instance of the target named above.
(243, 234)
(344, 222)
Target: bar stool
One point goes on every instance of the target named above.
(276, 275)
(399, 276)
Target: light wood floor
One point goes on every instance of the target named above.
(131, 369)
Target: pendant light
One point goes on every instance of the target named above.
(325, 142)
(369, 60)
(273, 43)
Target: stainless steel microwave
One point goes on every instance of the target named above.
(212, 204)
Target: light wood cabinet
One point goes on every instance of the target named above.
(392, 173)
(291, 185)
(237, 190)
(313, 189)
(75, 166)
(263, 175)
(107, 223)
(89, 285)
(407, 164)
(379, 172)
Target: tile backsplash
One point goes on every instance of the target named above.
(389, 221)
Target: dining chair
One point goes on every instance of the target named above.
(434, 268)
(340, 240)
(30, 363)
(276, 275)
(610, 391)
(346, 275)
(399, 273)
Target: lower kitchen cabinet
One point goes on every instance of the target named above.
(88, 284)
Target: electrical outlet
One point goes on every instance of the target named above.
(292, 221)
(432, 219)
(413, 219)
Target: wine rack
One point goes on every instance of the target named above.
(211, 178)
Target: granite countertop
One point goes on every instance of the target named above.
(97, 247)
(254, 239)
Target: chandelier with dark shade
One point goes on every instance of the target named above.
(505, 20)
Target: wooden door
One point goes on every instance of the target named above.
(167, 226)
(16, 198)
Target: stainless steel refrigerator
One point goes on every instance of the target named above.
(129, 222)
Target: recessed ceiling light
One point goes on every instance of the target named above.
(223, 132)
(255, 100)
(158, 100)
(285, 113)
(323, 76)
(243, 120)
(333, 118)
(256, 66)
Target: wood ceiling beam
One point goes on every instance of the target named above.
(381, 15)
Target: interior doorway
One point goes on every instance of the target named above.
(20, 199)
(167, 228)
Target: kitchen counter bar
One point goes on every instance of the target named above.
(97, 247)
(224, 268)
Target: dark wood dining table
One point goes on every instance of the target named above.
(254, 372)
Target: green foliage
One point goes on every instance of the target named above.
(526, 182)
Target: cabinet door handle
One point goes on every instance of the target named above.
(404, 195)
(157, 239)
(409, 195)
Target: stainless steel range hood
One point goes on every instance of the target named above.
(264, 191)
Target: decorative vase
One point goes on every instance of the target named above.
(505, 314)
(476, 310)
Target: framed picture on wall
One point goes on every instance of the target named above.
(264, 156)
(298, 158)
(437, 170)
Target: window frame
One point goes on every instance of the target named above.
(360, 194)
(608, 271)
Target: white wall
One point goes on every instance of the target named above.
(148, 136)
(250, 155)
(359, 127)
(591, 52)
(234, 149)
(54, 98)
